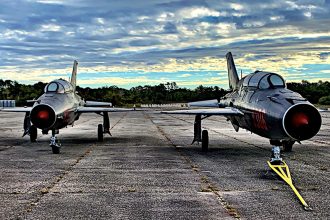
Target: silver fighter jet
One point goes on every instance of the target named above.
(60, 106)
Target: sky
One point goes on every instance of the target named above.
(148, 42)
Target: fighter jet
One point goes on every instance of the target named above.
(261, 103)
(60, 106)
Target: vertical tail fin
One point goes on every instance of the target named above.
(74, 75)
(232, 73)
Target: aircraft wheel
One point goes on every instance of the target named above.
(100, 133)
(33, 133)
(205, 140)
(287, 146)
(55, 149)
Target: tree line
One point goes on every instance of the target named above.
(317, 93)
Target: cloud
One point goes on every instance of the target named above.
(185, 75)
(44, 36)
(197, 12)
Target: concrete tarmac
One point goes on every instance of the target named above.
(147, 169)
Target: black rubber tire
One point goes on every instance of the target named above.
(287, 146)
(33, 133)
(100, 133)
(55, 149)
(205, 140)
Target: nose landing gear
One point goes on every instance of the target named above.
(54, 143)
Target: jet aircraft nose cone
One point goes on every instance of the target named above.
(300, 119)
(43, 115)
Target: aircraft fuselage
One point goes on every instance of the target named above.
(56, 110)
(276, 113)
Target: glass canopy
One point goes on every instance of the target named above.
(58, 86)
(263, 80)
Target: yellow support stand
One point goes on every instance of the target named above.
(283, 171)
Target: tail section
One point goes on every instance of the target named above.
(74, 75)
(232, 73)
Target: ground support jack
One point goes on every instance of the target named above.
(281, 168)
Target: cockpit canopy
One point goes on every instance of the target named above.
(59, 86)
(263, 80)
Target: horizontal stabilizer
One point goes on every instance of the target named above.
(213, 111)
(16, 109)
(206, 103)
(97, 104)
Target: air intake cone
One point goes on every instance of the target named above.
(300, 119)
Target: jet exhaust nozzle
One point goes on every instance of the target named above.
(302, 121)
(43, 116)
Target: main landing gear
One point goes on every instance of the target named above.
(54, 143)
(33, 133)
(29, 129)
(277, 164)
(199, 135)
(105, 128)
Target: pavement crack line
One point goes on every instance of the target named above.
(206, 184)
(57, 179)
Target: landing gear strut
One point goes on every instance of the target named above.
(54, 143)
(197, 129)
(106, 123)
